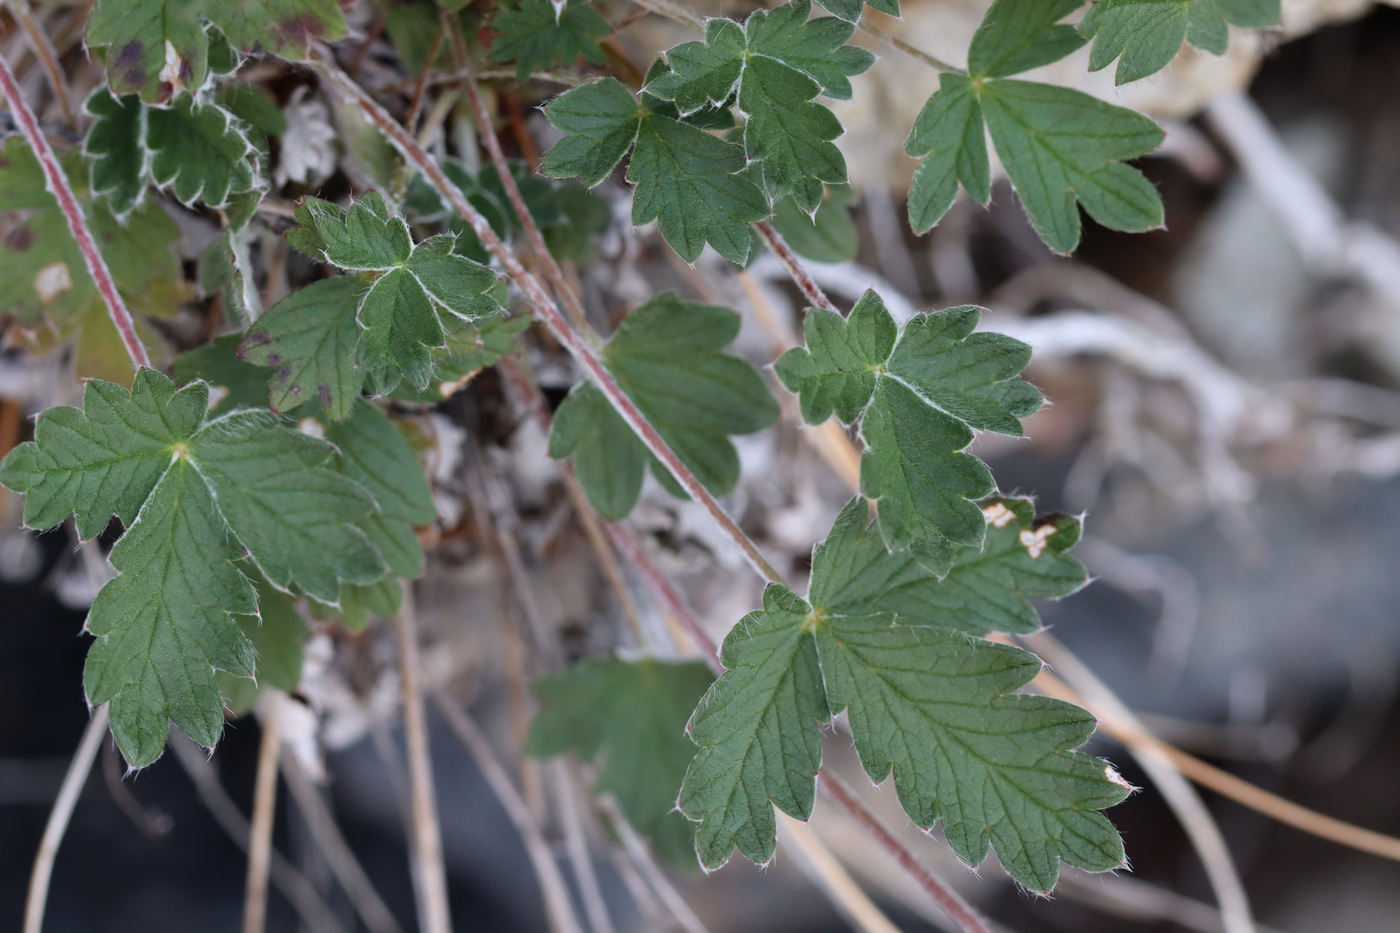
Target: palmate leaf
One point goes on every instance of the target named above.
(197, 495)
(1062, 149)
(890, 643)
(777, 63)
(667, 357)
(116, 149)
(537, 35)
(343, 336)
(157, 47)
(1145, 35)
(633, 713)
(917, 394)
(686, 179)
(200, 152)
(42, 272)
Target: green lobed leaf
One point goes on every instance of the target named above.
(1145, 35)
(157, 47)
(777, 63)
(309, 339)
(667, 357)
(471, 347)
(398, 316)
(375, 455)
(240, 384)
(1018, 35)
(828, 236)
(196, 495)
(985, 590)
(688, 180)
(634, 714)
(917, 393)
(1061, 148)
(850, 10)
(759, 732)
(200, 152)
(933, 708)
(116, 149)
(536, 35)
(276, 633)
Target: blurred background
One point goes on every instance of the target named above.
(1225, 412)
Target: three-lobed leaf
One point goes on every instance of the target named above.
(1145, 35)
(917, 393)
(1061, 148)
(632, 714)
(889, 642)
(198, 496)
(668, 358)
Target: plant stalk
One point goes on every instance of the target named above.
(264, 812)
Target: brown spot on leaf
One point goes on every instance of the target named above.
(324, 391)
(285, 372)
(258, 337)
(19, 239)
(273, 359)
(128, 63)
(299, 31)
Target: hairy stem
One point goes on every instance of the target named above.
(264, 810)
(794, 268)
(57, 184)
(62, 811)
(545, 309)
(433, 916)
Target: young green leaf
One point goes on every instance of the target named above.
(398, 316)
(1018, 35)
(309, 340)
(471, 347)
(196, 496)
(634, 714)
(933, 708)
(157, 47)
(689, 181)
(986, 590)
(200, 152)
(116, 149)
(1145, 35)
(759, 732)
(778, 63)
(667, 357)
(374, 454)
(535, 34)
(918, 394)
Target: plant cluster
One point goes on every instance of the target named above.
(294, 486)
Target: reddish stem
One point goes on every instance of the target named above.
(544, 307)
(793, 265)
(57, 184)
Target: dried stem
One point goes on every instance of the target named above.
(433, 916)
(57, 184)
(641, 857)
(831, 877)
(292, 883)
(48, 57)
(576, 846)
(545, 309)
(948, 900)
(558, 906)
(264, 810)
(62, 810)
(341, 858)
(893, 42)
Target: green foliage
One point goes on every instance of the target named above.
(917, 394)
(1062, 149)
(827, 236)
(396, 321)
(773, 66)
(667, 357)
(1144, 35)
(634, 714)
(42, 272)
(196, 496)
(535, 35)
(850, 10)
(276, 633)
(926, 703)
(115, 147)
(157, 47)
